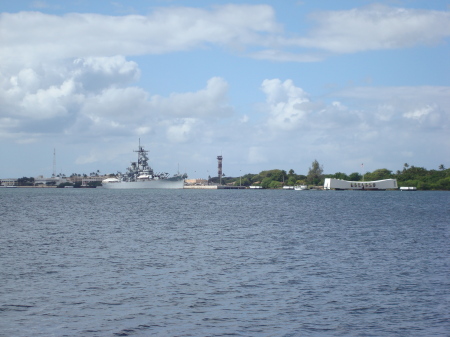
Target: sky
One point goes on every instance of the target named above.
(356, 85)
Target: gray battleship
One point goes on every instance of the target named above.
(141, 175)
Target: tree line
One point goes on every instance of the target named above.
(412, 176)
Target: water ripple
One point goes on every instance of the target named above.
(224, 263)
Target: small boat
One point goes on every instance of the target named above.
(408, 188)
(300, 187)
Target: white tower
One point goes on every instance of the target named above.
(219, 168)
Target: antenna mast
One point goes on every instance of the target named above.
(54, 163)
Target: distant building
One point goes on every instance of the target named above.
(8, 182)
(53, 181)
(86, 180)
(338, 184)
(196, 181)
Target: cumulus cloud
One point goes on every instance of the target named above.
(69, 75)
(58, 97)
(209, 102)
(97, 73)
(287, 104)
(182, 130)
(92, 97)
(420, 107)
(289, 108)
(357, 122)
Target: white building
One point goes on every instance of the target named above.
(8, 182)
(338, 184)
(196, 182)
(53, 181)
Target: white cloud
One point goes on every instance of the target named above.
(116, 103)
(61, 90)
(91, 96)
(434, 93)
(54, 101)
(375, 27)
(97, 73)
(244, 119)
(182, 131)
(420, 107)
(69, 76)
(209, 102)
(143, 130)
(378, 125)
(33, 36)
(418, 113)
(284, 56)
(287, 104)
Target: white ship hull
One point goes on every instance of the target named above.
(160, 183)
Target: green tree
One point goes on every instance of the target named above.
(244, 181)
(292, 180)
(315, 173)
(275, 184)
(355, 176)
(340, 175)
(25, 181)
(443, 184)
(379, 174)
(266, 182)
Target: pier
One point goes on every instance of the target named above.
(214, 187)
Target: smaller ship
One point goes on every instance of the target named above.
(300, 187)
(141, 175)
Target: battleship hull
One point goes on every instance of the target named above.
(159, 183)
(141, 176)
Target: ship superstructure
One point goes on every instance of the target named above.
(140, 175)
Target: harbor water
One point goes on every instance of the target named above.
(97, 262)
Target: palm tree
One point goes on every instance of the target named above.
(405, 166)
(442, 167)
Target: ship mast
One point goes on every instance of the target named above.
(142, 163)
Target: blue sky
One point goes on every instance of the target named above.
(267, 84)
